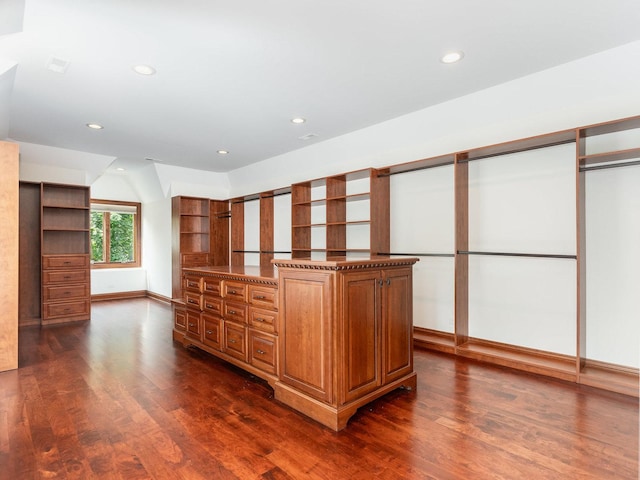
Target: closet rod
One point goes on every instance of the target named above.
(610, 165)
(505, 254)
(415, 169)
(418, 254)
(515, 150)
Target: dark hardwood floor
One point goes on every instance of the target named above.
(116, 398)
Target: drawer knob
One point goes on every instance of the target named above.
(261, 352)
(232, 292)
(192, 301)
(209, 305)
(232, 312)
(209, 332)
(231, 340)
(260, 319)
(260, 297)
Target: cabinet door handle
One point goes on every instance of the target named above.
(208, 305)
(258, 319)
(260, 297)
(193, 301)
(232, 292)
(388, 281)
(232, 312)
(209, 332)
(231, 340)
(261, 352)
(380, 282)
(192, 324)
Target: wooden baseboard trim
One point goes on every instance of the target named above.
(434, 340)
(158, 297)
(100, 297)
(608, 376)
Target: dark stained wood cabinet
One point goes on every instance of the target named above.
(345, 334)
(328, 336)
(232, 312)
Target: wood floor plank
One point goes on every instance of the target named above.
(116, 398)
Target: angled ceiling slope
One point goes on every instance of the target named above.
(231, 75)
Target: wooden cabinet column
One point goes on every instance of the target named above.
(9, 252)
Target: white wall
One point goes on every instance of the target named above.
(594, 89)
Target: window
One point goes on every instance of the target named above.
(115, 234)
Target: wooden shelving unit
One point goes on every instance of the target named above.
(65, 250)
(190, 225)
(327, 212)
(588, 371)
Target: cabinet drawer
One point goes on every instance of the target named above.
(263, 319)
(193, 324)
(65, 261)
(234, 290)
(212, 331)
(235, 341)
(63, 292)
(65, 276)
(265, 297)
(66, 309)
(193, 300)
(180, 319)
(212, 286)
(212, 305)
(194, 259)
(262, 351)
(236, 312)
(193, 284)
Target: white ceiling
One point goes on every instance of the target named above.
(231, 74)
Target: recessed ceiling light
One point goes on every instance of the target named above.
(298, 120)
(144, 69)
(452, 57)
(120, 169)
(222, 152)
(95, 126)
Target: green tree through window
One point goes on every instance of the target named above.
(119, 222)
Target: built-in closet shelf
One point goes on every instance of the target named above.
(434, 340)
(529, 360)
(607, 157)
(423, 254)
(610, 377)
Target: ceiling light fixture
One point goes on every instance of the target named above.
(298, 120)
(222, 152)
(95, 126)
(144, 70)
(452, 57)
(120, 169)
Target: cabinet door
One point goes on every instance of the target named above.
(360, 334)
(397, 324)
(305, 338)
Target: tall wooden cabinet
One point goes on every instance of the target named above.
(345, 334)
(9, 256)
(65, 248)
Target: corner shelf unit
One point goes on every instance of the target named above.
(341, 216)
(190, 227)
